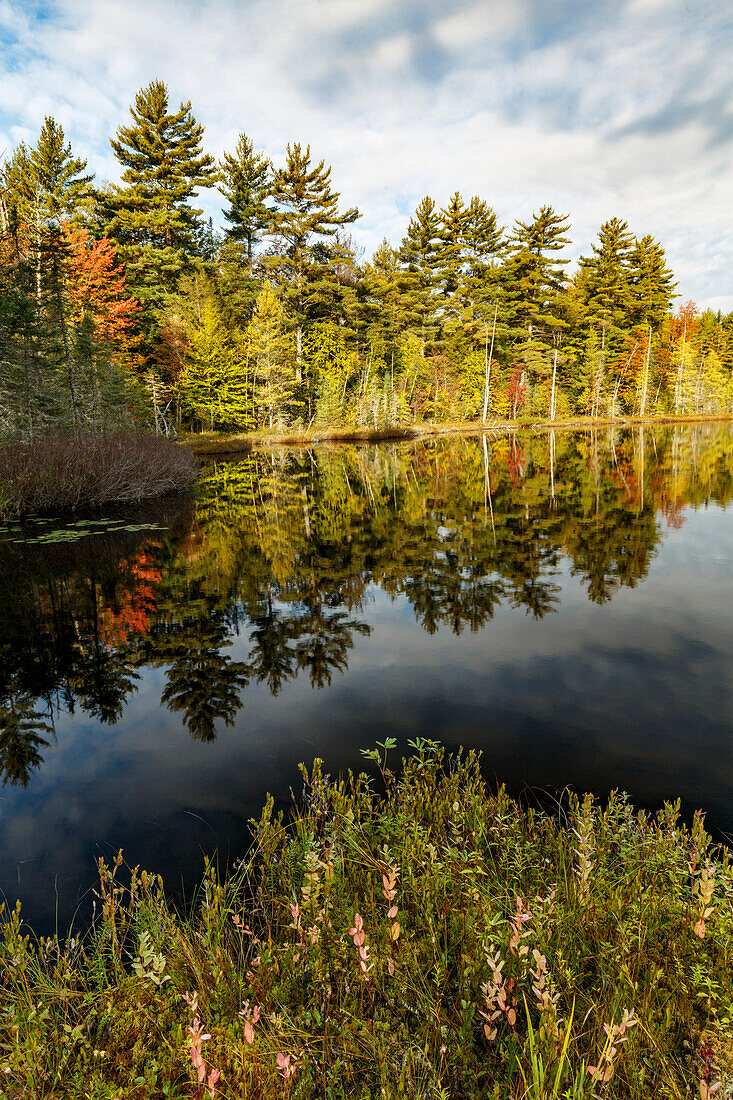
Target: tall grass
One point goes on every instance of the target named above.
(67, 470)
(414, 936)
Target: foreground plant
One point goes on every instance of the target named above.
(530, 956)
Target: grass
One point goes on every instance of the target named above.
(68, 470)
(212, 443)
(411, 935)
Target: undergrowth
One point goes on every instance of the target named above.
(412, 935)
(68, 470)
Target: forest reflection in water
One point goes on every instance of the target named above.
(269, 575)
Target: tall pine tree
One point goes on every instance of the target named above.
(150, 217)
(305, 222)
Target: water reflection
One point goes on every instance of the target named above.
(478, 590)
(285, 546)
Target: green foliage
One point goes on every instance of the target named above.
(457, 283)
(424, 939)
(150, 216)
(245, 178)
(213, 382)
(271, 358)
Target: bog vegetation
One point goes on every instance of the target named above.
(66, 470)
(416, 936)
(120, 305)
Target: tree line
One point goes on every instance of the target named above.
(121, 305)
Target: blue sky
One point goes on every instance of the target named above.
(618, 108)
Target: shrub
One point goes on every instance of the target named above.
(71, 470)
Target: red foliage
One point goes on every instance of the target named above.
(517, 389)
(136, 602)
(97, 286)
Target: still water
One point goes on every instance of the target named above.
(562, 602)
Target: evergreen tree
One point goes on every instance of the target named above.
(245, 184)
(533, 274)
(213, 384)
(305, 222)
(651, 281)
(271, 357)
(46, 186)
(150, 217)
(451, 253)
(603, 282)
(419, 257)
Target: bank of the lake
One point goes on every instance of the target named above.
(213, 443)
(409, 934)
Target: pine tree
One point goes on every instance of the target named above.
(651, 281)
(150, 216)
(305, 222)
(534, 282)
(603, 283)
(533, 274)
(213, 384)
(245, 184)
(451, 252)
(46, 186)
(419, 257)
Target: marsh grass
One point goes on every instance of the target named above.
(407, 935)
(68, 470)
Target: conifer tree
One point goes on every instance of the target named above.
(534, 282)
(419, 257)
(451, 253)
(651, 281)
(533, 274)
(603, 282)
(305, 221)
(150, 217)
(213, 384)
(271, 358)
(381, 310)
(245, 184)
(46, 186)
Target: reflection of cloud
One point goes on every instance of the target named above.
(635, 694)
(599, 108)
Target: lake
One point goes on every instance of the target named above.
(562, 602)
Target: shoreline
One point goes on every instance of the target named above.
(411, 933)
(208, 445)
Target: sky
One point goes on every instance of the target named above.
(600, 109)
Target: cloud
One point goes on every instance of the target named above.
(599, 108)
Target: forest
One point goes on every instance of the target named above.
(121, 307)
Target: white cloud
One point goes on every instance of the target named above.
(598, 108)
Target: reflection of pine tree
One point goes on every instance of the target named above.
(324, 642)
(204, 685)
(102, 682)
(21, 727)
(270, 656)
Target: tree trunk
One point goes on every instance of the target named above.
(645, 383)
(552, 398)
(488, 358)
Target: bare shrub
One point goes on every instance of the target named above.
(70, 470)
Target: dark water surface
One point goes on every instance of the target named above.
(562, 603)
